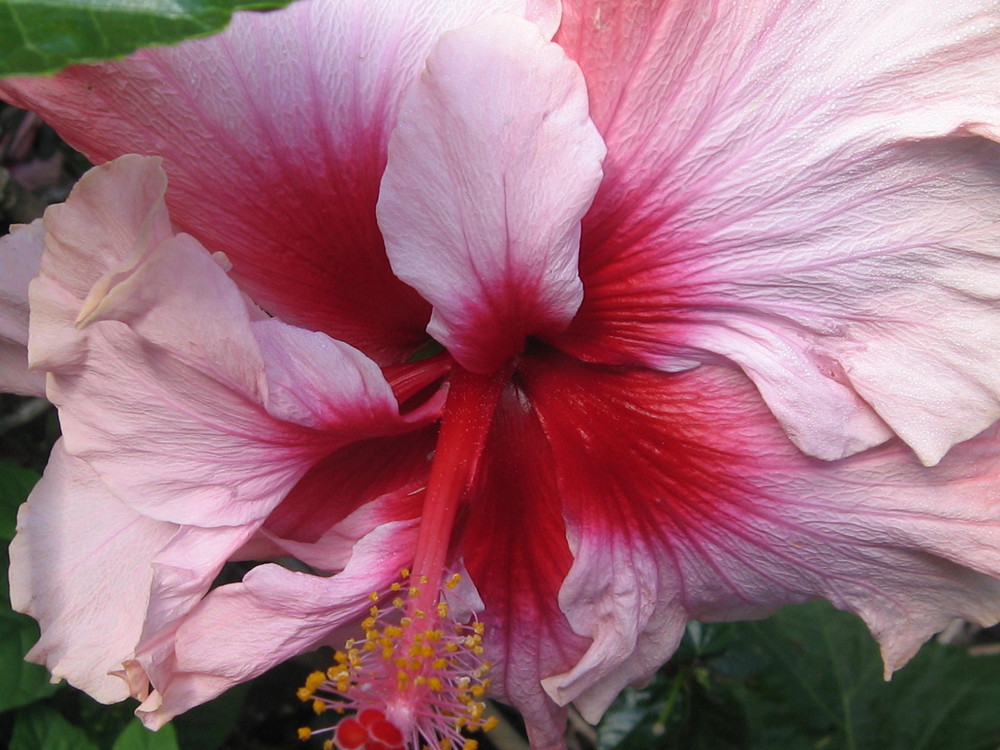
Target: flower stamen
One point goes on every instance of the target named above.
(411, 682)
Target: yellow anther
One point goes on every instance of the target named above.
(373, 611)
(392, 631)
(395, 586)
(405, 622)
(434, 635)
(303, 694)
(470, 745)
(478, 691)
(451, 647)
(318, 707)
(405, 572)
(305, 733)
(453, 581)
(439, 663)
(328, 745)
(434, 683)
(398, 602)
(479, 627)
(413, 591)
(368, 624)
(442, 609)
(491, 723)
(422, 580)
(340, 657)
(420, 680)
(373, 596)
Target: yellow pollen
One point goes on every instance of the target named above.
(442, 609)
(305, 733)
(318, 707)
(453, 581)
(470, 745)
(373, 596)
(491, 723)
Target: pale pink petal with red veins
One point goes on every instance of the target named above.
(311, 523)
(516, 553)
(168, 330)
(800, 188)
(308, 98)
(492, 165)
(707, 512)
(240, 630)
(77, 544)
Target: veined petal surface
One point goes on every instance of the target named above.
(708, 512)
(274, 136)
(66, 556)
(808, 190)
(492, 165)
(164, 357)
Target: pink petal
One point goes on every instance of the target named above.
(491, 167)
(20, 256)
(707, 512)
(805, 190)
(307, 524)
(517, 556)
(240, 630)
(160, 374)
(15, 377)
(80, 565)
(274, 136)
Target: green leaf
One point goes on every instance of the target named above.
(42, 36)
(43, 728)
(819, 685)
(136, 737)
(207, 726)
(15, 484)
(689, 705)
(20, 683)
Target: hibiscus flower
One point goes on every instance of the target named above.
(529, 333)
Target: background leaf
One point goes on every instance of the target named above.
(808, 678)
(20, 683)
(44, 728)
(820, 685)
(42, 36)
(136, 737)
